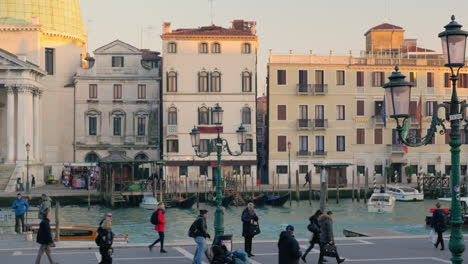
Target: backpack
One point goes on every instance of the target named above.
(154, 218)
(98, 238)
(193, 229)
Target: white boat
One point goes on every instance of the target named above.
(405, 193)
(148, 201)
(381, 202)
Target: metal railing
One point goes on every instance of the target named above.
(304, 124)
(319, 153)
(397, 148)
(303, 153)
(320, 88)
(378, 120)
(172, 130)
(320, 123)
(303, 89)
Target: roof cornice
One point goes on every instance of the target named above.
(208, 37)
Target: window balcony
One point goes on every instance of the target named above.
(320, 89)
(378, 120)
(397, 148)
(320, 153)
(303, 153)
(171, 130)
(413, 120)
(304, 124)
(304, 89)
(320, 123)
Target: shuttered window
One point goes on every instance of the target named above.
(93, 91)
(340, 143)
(378, 136)
(360, 136)
(430, 79)
(378, 79)
(360, 108)
(360, 78)
(430, 107)
(281, 112)
(340, 77)
(117, 91)
(281, 143)
(413, 108)
(281, 77)
(462, 80)
(447, 80)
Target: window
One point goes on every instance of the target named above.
(303, 169)
(413, 135)
(361, 170)
(378, 136)
(172, 145)
(249, 145)
(281, 112)
(360, 136)
(447, 80)
(246, 169)
(203, 47)
(117, 91)
(172, 81)
(360, 108)
(303, 143)
(259, 131)
(340, 77)
(378, 79)
(378, 107)
(117, 126)
(246, 119)
(49, 60)
(117, 61)
(92, 127)
(303, 79)
(340, 110)
(216, 48)
(414, 78)
(246, 81)
(281, 77)
(203, 116)
(360, 78)
(462, 80)
(303, 112)
(141, 126)
(281, 142)
(172, 47)
(319, 77)
(183, 171)
(281, 169)
(91, 157)
(203, 81)
(378, 169)
(431, 169)
(172, 116)
(246, 48)
(236, 169)
(319, 112)
(340, 143)
(141, 93)
(203, 170)
(216, 82)
(319, 144)
(204, 145)
(430, 107)
(93, 91)
(430, 79)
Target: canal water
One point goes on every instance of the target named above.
(407, 217)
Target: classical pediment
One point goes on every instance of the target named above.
(118, 47)
(12, 61)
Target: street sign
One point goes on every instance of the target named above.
(455, 117)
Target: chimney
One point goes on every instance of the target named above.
(166, 27)
(238, 24)
(253, 27)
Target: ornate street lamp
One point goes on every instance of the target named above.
(28, 148)
(398, 93)
(218, 147)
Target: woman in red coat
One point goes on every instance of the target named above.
(160, 211)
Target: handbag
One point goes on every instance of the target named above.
(329, 250)
(433, 237)
(52, 244)
(255, 229)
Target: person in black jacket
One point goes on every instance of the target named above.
(315, 229)
(248, 218)
(107, 239)
(44, 238)
(439, 223)
(199, 235)
(288, 247)
(326, 235)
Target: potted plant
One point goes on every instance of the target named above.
(409, 171)
(389, 174)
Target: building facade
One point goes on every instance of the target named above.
(117, 104)
(331, 110)
(203, 67)
(262, 140)
(42, 44)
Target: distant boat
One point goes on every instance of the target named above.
(225, 202)
(404, 193)
(87, 233)
(185, 203)
(149, 202)
(381, 202)
(277, 200)
(259, 200)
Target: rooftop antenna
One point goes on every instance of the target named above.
(385, 20)
(211, 11)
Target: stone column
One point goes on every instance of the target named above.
(36, 116)
(21, 125)
(10, 125)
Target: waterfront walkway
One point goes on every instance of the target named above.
(385, 250)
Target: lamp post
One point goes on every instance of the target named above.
(398, 93)
(218, 147)
(28, 148)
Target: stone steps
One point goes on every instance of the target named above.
(5, 174)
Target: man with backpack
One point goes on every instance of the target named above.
(198, 231)
(159, 221)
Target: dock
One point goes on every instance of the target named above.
(371, 232)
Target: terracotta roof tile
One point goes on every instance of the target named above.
(386, 26)
(210, 31)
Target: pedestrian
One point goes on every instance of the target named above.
(326, 236)
(106, 240)
(33, 181)
(314, 228)
(382, 189)
(21, 206)
(288, 247)
(307, 179)
(44, 238)
(439, 223)
(249, 217)
(198, 231)
(44, 207)
(160, 226)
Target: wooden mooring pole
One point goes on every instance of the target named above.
(57, 221)
(352, 187)
(310, 188)
(297, 186)
(323, 190)
(358, 186)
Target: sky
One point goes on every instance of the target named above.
(298, 25)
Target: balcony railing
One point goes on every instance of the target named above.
(320, 153)
(378, 120)
(304, 153)
(320, 89)
(312, 89)
(172, 130)
(397, 148)
(320, 123)
(304, 124)
(303, 89)
(413, 120)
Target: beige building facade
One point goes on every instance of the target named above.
(330, 110)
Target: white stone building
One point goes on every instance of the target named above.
(117, 103)
(203, 67)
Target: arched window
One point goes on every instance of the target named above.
(91, 157)
(246, 81)
(92, 121)
(246, 48)
(172, 47)
(141, 121)
(172, 81)
(203, 116)
(246, 116)
(216, 48)
(203, 81)
(141, 157)
(216, 82)
(203, 47)
(172, 116)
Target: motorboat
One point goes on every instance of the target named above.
(446, 202)
(404, 193)
(381, 202)
(86, 233)
(149, 202)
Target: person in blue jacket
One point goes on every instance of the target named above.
(21, 206)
